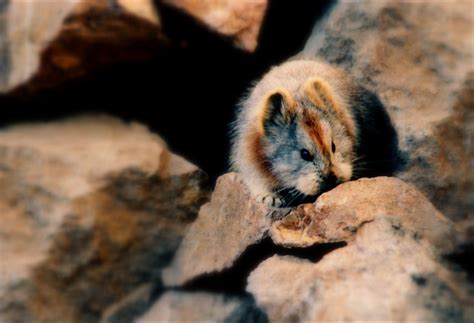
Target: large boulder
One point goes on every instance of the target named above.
(418, 57)
(92, 208)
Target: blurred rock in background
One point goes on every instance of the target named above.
(102, 222)
(91, 209)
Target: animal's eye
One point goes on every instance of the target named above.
(306, 155)
(333, 147)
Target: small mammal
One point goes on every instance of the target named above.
(305, 127)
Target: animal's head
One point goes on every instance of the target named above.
(307, 142)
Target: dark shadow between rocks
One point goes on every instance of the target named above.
(233, 281)
(461, 260)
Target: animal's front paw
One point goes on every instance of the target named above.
(269, 199)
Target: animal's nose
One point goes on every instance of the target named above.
(331, 179)
(329, 182)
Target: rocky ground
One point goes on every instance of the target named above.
(101, 221)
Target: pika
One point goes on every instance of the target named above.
(305, 127)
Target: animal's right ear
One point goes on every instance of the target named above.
(278, 110)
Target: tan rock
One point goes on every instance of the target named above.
(91, 209)
(198, 307)
(225, 227)
(129, 307)
(390, 270)
(45, 43)
(392, 267)
(240, 20)
(422, 70)
(338, 214)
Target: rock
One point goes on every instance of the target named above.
(91, 209)
(338, 214)
(201, 306)
(225, 227)
(130, 307)
(391, 268)
(44, 43)
(237, 20)
(422, 70)
(395, 243)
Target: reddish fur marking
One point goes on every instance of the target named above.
(320, 93)
(256, 153)
(312, 126)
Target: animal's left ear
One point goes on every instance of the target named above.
(322, 95)
(278, 109)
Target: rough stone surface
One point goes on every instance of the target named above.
(202, 307)
(45, 43)
(336, 215)
(238, 20)
(225, 227)
(130, 307)
(390, 269)
(91, 209)
(418, 56)
(395, 244)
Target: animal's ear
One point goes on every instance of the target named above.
(278, 109)
(322, 96)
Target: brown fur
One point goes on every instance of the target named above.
(319, 93)
(311, 123)
(258, 157)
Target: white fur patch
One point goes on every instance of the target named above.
(307, 184)
(344, 171)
